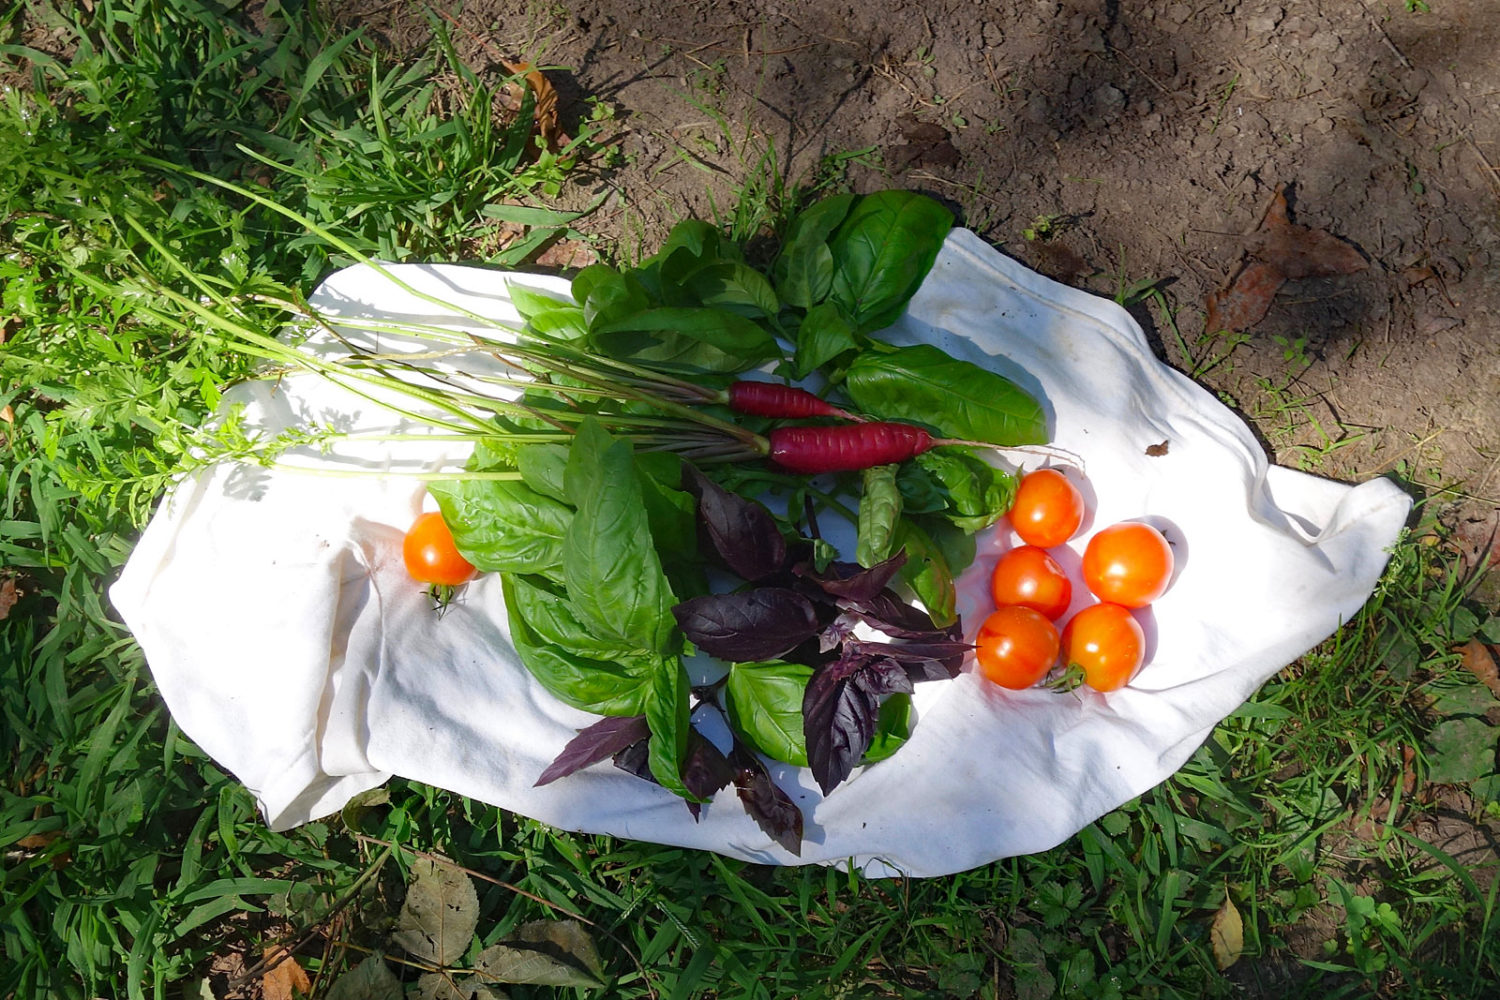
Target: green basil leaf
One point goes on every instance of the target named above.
(805, 275)
(803, 271)
(920, 492)
(542, 467)
(697, 238)
(928, 570)
(581, 473)
(565, 657)
(606, 294)
(764, 704)
(892, 727)
(530, 302)
(979, 494)
(882, 251)
(560, 323)
(668, 715)
(609, 562)
(738, 288)
(924, 384)
(504, 526)
(673, 517)
(879, 513)
(824, 334)
(686, 339)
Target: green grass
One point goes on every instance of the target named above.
(131, 861)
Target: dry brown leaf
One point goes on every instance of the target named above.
(1483, 661)
(1247, 299)
(545, 111)
(926, 144)
(7, 414)
(9, 595)
(567, 254)
(286, 979)
(1299, 251)
(1227, 935)
(1280, 251)
(1058, 262)
(1158, 450)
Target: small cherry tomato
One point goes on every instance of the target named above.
(1129, 563)
(430, 554)
(1106, 644)
(1047, 510)
(1028, 576)
(1016, 647)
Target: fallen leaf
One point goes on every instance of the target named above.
(1483, 661)
(6, 413)
(544, 112)
(1058, 262)
(1300, 251)
(1227, 935)
(544, 953)
(1280, 251)
(38, 841)
(1247, 299)
(285, 980)
(567, 254)
(371, 979)
(441, 911)
(1158, 450)
(926, 144)
(9, 595)
(440, 986)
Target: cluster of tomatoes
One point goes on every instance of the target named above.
(1126, 566)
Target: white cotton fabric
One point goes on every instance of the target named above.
(289, 643)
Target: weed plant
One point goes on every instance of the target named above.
(135, 867)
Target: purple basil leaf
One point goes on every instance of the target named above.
(931, 660)
(758, 624)
(835, 634)
(841, 708)
(887, 612)
(838, 722)
(852, 581)
(882, 676)
(636, 759)
(706, 769)
(740, 530)
(604, 738)
(771, 808)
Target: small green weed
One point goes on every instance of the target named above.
(1041, 228)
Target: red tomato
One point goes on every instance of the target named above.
(1047, 510)
(431, 556)
(1129, 563)
(1016, 647)
(1028, 576)
(1105, 643)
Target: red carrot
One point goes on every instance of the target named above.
(846, 447)
(773, 399)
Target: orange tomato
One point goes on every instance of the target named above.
(1129, 563)
(1106, 644)
(1016, 647)
(431, 555)
(1028, 576)
(1047, 510)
